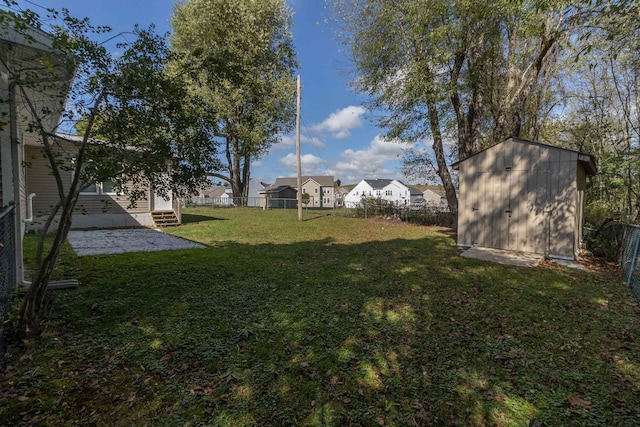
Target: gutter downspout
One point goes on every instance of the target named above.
(29, 219)
(16, 164)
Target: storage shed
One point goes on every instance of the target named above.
(524, 196)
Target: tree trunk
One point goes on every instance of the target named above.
(234, 167)
(246, 173)
(32, 304)
(443, 170)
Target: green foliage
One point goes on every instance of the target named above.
(601, 117)
(418, 166)
(238, 56)
(152, 132)
(465, 72)
(329, 321)
(306, 198)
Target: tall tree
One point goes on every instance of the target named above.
(601, 114)
(151, 128)
(239, 56)
(467, 71)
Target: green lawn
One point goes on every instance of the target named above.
(332, 321)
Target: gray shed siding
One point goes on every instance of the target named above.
(522, 196)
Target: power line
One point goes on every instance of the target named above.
(315, 146)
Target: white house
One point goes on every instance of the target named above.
(391, 190)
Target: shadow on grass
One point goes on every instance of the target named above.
(395, 332)
(194, 218)
(310, 216)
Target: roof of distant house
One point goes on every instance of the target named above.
(324, 181)
(414, 191)
(276, 189)
(378, 184)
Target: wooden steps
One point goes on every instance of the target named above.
(165, 219)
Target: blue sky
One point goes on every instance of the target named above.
(338, 136)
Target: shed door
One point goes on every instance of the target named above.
(499, 219)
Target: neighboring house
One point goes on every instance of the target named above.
(434, 198)
(282, 196)
(226, 198)
(391, 190)
(524, 196)
(415, 195)
(99, 205)
(253, 195)
(341, 193)
(212, 192)
(219, 194)
(321, 189)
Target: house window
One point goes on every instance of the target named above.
(377, 192)
(389, 193)
(91, 189)
(106, 187)
(304, 191)
(316, 190)
(109, 187)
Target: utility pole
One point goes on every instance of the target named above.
(298, 155)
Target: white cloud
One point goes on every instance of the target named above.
(289, 141)
(379, 160)
(340, 123)
(309, 162)
(286, 142)
(371, 162)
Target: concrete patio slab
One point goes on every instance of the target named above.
(104, 242)
(518, 259)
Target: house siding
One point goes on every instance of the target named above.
(319, 188)
(400, 194)
(101, 207)
(362, 189)
(522, 196)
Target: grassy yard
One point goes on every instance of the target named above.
(332, 321)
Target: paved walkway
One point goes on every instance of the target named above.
(102, 242)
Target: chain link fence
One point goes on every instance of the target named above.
(418, 214)
(423, 214)
(254, 202)
(7, 266)
(629, 258)
(226, 202)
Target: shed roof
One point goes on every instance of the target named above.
(587, 160)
